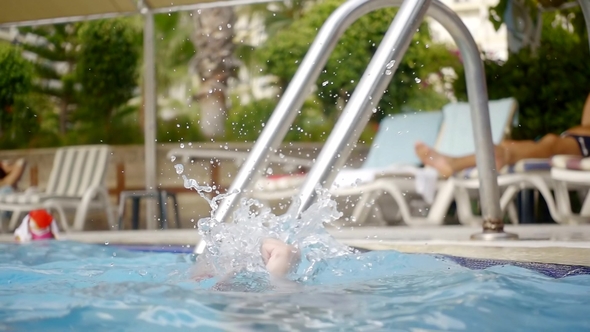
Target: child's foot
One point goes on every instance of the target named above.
(430, 157)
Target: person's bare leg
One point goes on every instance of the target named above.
(14, 173)
(447, 166)
(586, 113)
(507, 153)
(547, 147)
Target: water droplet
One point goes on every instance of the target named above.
(417, 80)
(325, 83)
(390, 64)
(179, 168)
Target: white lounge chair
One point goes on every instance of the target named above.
(77, 181)
(392, 152)
(455, 139)
(512, 179)
(526, 174)
(571, 173)
(382, 173)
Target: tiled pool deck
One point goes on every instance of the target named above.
(558, 244)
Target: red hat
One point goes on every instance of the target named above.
(41, 217)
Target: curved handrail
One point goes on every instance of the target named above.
(294, 96)
(309, 70)
(585, 5)
(355, 115)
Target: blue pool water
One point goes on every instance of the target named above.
(58, 286)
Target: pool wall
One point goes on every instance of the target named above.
(553, 244)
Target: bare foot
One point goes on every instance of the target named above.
(431, 158)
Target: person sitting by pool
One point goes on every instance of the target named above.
(10, 174)
(574, 141)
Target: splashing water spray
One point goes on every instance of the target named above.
(236, 246)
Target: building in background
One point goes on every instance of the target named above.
(475, 15)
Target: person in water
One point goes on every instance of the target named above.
(278, 257)
(574, 141)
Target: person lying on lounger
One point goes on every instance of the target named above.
(574, 141)
(10, 174)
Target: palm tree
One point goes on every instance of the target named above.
(215, 64)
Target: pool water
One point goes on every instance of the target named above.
(58, 285)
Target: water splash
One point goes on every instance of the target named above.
(235, 247)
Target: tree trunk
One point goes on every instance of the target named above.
(215, 64)
(63, 116)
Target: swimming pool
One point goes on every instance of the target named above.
(62, 285)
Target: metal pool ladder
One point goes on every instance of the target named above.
(369, 91)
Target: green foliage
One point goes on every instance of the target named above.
(16, 117)
(497, 12)
(122, 128)
(86, 72)
(106, 68)
(54, 44)
(180, 129)
(283, 53)
(15, 76)
(174, 49)
(246, 121)
(550, 86)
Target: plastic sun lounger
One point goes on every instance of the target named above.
(77, 181)
(571, 173)
(526, 174)
(393, 167)
(391, 154)
(455, 139)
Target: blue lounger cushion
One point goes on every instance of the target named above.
(456, 137)
(397, 135)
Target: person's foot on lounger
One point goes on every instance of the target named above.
(447, 166)
(430, 157)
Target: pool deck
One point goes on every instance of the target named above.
(558, 244)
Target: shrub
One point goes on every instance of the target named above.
(550, 86)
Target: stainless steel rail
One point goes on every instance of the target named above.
(366, 96)
(294, 96)
(368, 92)
(585, 4)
